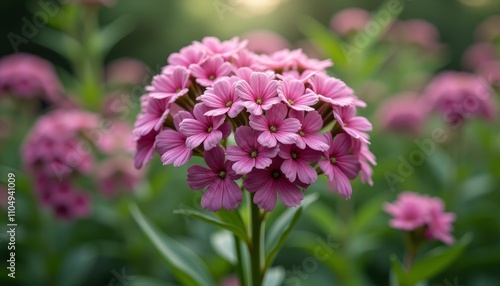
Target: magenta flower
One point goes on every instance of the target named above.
(226, 49)
(145, 149)
(170, 85)
(350, 20)
(366, 160)
(126, 72)
(291, 91)
(27, 76)
(412, 211)
(339, 165)
(222, 99)
(296, 164)
(222, 191)
(258, 94)
(213, 68)
(355, 126)
(269, 183)
(187, 56)
(409, 211)
(249, 153)
(171, 144)
(438, 222)
(311, 124)
(209, 130)
(265, 41)
(153, 114)
(331, 90)
(280, 60)
(405, 113)
(275, 128)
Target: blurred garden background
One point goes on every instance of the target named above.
(395, 64)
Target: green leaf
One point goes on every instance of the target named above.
(186, 266)
(399, 275)
(437, 260)
(326, 220)
(211, 219)
(223, 243)
(114, 32)
(325, 41)
(367, 213)
(274, 277)
(77, 265)
(232, 218)
(60, 43)
(282, 227)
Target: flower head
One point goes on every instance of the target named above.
(259, 94)
(211, 69)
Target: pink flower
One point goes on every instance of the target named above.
(349, 20)
(221, 98)
(438, 222)
(275, 128)
(209, 130)
(355, 126)
(172, 145)
(280, 60)
(28, 76)
(296, 164)
(460, 95)
(145, 148)
(488, 29)
(268, 183)
(366, 160)
(117, 174)
(226, 49)
(222, 191)
(248, 153)
(409, 211)
(331, 90)
(213, 68)
(291, 91)
(405, 113)
(311, 124)
(153, 114)
(170, 85)
(412, 211)
(339, 166)
(125, 71)
(258, 94)
(265, 41)
(479, 55)
(187, 56)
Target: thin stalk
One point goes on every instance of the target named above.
(239, 262)
(256, 248)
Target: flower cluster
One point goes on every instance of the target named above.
(27, 76)
(413, 212)
(276, 121)
(62, 147)
(459, 96)
(54, 153)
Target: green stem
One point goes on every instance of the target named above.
(239, 262)
(256, 248)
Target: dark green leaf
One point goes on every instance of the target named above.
(187, 266)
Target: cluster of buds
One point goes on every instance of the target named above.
(275, 121)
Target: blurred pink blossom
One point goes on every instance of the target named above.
(412, 211)
(265, 41)
(405, 113)
(459, 96)
(27, 76)
(417, 32)
(478, 55)
(349, 20)
(488, 29)
(116, 175)
(126, 72)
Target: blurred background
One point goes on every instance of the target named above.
(399, 72)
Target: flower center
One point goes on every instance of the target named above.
(210, 129)
(291, 102)
(254, 154)
(302, 133)
(333, 160)
(211, 77)
(229, 103)
(294, 155)
(259, 101)
(276, 174)
(273, 128)
(222, 174)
